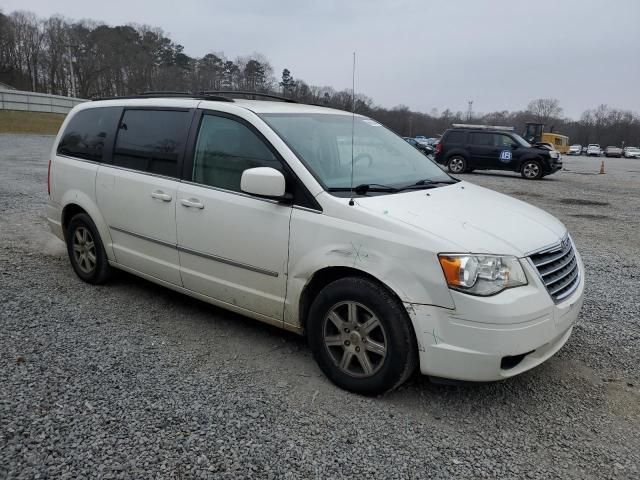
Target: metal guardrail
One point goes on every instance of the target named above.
(36, 102)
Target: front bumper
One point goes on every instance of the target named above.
(493, 338)
(554, 166)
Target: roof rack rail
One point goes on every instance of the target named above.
(245, 93)
(483, 127)
(168, 94)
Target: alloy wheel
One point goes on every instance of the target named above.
(531, 170)
(456, 165)
(84, 250)
(355, 339)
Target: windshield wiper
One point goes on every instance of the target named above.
(366, 187)
(427, 183)
(363, 188)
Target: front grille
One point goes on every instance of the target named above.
(558, 269)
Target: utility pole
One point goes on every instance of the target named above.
(470, 110)
(73, 78)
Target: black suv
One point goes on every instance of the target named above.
(465, 148)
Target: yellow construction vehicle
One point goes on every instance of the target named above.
(534, 133)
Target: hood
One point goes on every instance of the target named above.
(472, 219)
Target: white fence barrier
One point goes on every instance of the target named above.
(36, 102)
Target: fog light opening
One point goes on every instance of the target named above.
(513, 361)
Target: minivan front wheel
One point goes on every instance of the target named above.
(361, 336)
(85, 249)
(531, 170)
(457, 164)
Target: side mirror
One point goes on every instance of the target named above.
(264, 182)
(514, 146)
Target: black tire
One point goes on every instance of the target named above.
(86, 251)
(531, 170)
(457, 164)
(370, 301)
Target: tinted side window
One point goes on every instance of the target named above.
(455, 138)
(482, 139)
(225, 148)
(503, 140)
(151, 140)
(86, 132)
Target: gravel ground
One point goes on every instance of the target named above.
(131, 380)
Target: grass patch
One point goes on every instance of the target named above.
(12, 121)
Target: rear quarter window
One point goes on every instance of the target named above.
(86, 133)
(455, 138)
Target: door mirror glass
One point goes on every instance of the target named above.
(263, 182)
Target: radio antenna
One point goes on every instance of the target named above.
(353, 120)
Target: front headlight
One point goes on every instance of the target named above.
(481, 274)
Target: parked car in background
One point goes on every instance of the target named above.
(422, 146)
(465, 148)
(385, 262)
(575, 150)
(594, 150)
(612, 151)
(427, 141)
(631, 152)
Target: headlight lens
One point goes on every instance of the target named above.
(482, 274)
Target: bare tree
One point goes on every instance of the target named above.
(545, 109)
(37, 54)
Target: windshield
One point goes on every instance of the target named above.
(520, 140)
(323, 142)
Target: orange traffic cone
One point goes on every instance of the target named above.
(602, 168)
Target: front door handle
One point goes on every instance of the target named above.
(160, 195)
(191, 203)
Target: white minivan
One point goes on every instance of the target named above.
(320, 222)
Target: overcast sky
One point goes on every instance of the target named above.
(424, 54)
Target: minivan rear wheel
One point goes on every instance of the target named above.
(86, 251)
(361, 336)
(531, 170)
(457, 164)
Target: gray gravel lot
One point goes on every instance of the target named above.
(131, 380)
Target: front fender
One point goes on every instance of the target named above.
(395, 260)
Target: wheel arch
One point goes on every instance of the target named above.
(531, 156)
(459, 152)
(324, 277)
(74, 202)
(68, 212)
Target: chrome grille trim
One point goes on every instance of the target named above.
(563, 263)
(558, 269)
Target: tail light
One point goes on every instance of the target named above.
(438, 147)
(49, 179)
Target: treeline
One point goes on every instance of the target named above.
(89, 59)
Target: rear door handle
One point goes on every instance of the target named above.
(191, 203)
(160, 195)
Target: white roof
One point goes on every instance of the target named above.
(267, 106)
(256, 106)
